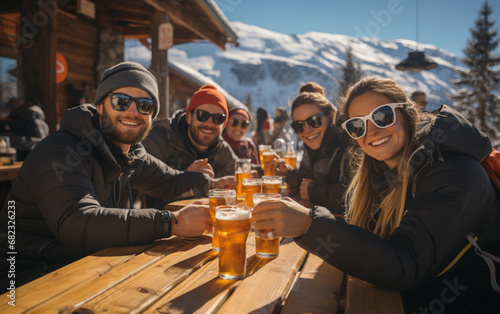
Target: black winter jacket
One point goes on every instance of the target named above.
(328, 167)
(450, 196)
(72, 197)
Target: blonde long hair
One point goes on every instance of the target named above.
(362, 199)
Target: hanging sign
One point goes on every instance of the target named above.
(165, 36)
(61, 68)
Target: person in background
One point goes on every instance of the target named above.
(263, 133)
(26, 126)
(73, 194)
(323, 174)
(234, 135)
(419, 192)
(420, 99)
(280, 129)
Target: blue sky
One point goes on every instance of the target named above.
(444, 23)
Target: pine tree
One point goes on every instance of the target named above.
(351, 72)
(477, 98)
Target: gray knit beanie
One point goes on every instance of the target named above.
(127, 74)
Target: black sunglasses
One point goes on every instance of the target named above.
(313, 121)
(203, 116)
(234, 123)
(121, 102)
(383, 117)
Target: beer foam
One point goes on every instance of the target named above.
(235, 214)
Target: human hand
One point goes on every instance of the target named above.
(192, 220)
(226, 182)
(201, 165)
(279, 167)
(285, 218)
(304, 194)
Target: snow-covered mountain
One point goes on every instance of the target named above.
(270, 66)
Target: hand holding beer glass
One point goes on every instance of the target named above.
(269, 247)
(218, 197)
(243, 168)
(233, 225)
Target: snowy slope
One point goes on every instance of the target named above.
(271, 66)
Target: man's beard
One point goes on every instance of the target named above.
(109, 127)
(195, 135)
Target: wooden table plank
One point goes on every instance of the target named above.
(137, 293)
(320, 284)
(363, 297)
(277, 279)
(205, 292)
(182, 203)
(57, 282)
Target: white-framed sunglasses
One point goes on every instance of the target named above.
(383, 117)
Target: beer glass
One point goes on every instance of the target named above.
(242, 171)
(290, 155)
(262, 149)
(217, 197)
(268, 156)
(233, 225)
(279, 147)
(271, 184)
(250, 187)
(264, 247)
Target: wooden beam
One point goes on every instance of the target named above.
(159, 65)
(181, 15)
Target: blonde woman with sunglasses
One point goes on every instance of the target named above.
(418, 199)
(323, 174)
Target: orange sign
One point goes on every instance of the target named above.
(61, 68)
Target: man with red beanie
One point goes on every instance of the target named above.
(191, 139)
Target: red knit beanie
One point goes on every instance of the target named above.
(208, 94)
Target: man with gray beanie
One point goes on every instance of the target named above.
(73, 194)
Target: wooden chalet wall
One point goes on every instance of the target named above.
(77, 41)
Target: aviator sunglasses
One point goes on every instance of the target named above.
(234, 123)
(121, 102)
(313, 121)
(203, 116)
(383, 117)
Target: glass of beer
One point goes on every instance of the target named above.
(262, 149)
(271, 184)
(218, 197)
(290, 155)
(250, 187)
(266, 248)
(242, 171)
(233, 225)
(268, 156)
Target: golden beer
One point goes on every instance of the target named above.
(239, 188)
(271, 184)
(264, 247)
(217, 197)
(291, 159)
(267, 157)
(250, 187)
(233, 225)
(262, 149)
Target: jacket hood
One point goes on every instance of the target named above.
(83, 122)
(445, 129)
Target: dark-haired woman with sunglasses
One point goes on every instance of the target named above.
(234, 135)
(323, 175)
(418, 202)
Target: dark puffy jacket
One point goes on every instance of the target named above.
(450, 196)
(168, 142)
(328, 167)
(72, 198)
